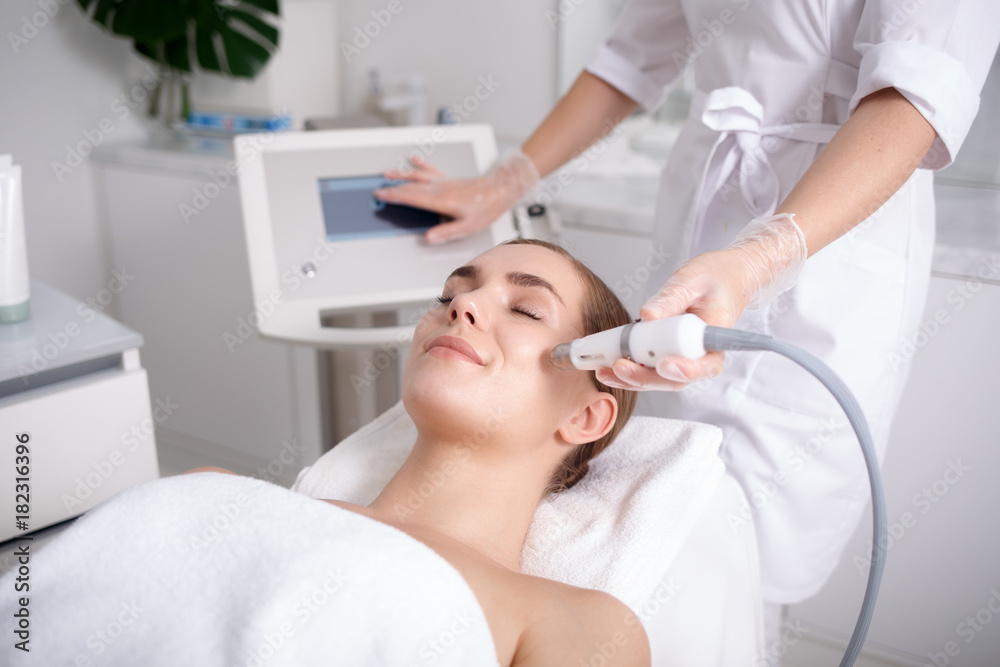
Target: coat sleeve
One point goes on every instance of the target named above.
(937, 55)
(647, 51)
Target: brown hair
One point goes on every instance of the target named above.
(602, 310)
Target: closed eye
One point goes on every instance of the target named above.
(527, 312)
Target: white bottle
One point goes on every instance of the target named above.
(14, 287)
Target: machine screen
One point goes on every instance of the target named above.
(350, 210)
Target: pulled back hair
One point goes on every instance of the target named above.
(602, 310)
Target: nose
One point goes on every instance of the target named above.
(463, 307)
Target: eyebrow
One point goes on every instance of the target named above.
(518, 278)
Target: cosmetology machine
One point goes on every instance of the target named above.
(335, 269)
(321, 245)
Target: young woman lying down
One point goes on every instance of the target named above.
(214, 569)
(484, 352)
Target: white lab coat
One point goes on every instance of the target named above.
(774, 80)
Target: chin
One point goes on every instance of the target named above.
(448, 405)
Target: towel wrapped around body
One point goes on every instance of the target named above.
(212, 569)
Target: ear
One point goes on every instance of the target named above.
(592, 421)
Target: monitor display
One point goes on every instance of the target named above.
(351, 211)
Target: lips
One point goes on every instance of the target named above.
(456, 348)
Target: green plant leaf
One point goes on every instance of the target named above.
(148, 50)
(160, 31)
(178, 53)
(267, 5)
(149, 20)
(204, 46)
(262, 28)
(245, 57)
(103, 11)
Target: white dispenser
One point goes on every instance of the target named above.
(14, 290)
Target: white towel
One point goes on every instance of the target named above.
(210, 569)
(617, 530)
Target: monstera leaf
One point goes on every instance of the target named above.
(228, 36)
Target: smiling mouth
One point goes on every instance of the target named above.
(453, 347)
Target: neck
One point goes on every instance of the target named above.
(483, 499)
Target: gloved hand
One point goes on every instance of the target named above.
(763, 261)
(473, 203)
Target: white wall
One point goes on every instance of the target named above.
(57, 88)
(62, 83)
(453, 43)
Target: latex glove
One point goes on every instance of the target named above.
(472, 203)
(763, 261)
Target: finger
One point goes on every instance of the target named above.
(607, 377)
(418, 195)
(413, 175)
(682, 370)
(641, 378)
(451, 231)
(425, 167)
(674, 298)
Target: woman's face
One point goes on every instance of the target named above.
(479, 362)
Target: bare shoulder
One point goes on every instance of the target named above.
(581, 626)
(210, 469)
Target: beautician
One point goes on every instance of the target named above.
(813, 134)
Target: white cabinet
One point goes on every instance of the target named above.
(175, 227)
(73, 393)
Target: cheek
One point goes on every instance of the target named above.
(428, 323)
(529, 377)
